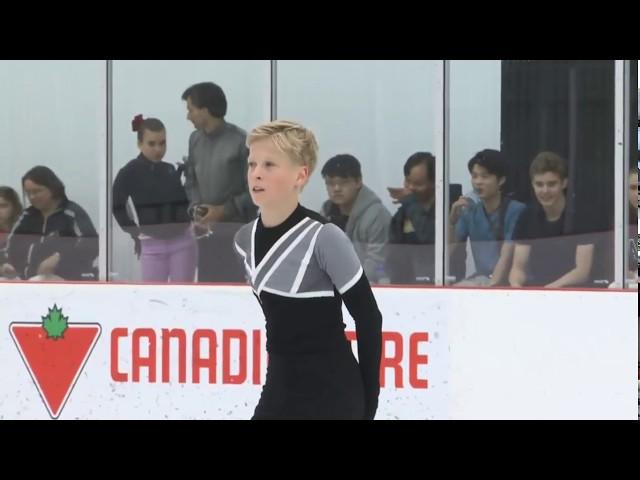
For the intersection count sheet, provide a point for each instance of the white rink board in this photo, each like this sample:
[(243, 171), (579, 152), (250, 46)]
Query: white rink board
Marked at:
[(489, 353)]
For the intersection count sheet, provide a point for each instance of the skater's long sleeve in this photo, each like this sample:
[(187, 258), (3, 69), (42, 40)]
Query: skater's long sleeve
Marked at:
[(363, 308), (339, 259)]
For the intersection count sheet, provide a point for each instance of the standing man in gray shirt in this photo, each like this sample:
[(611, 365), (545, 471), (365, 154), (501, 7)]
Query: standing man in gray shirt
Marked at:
[(216, 182)]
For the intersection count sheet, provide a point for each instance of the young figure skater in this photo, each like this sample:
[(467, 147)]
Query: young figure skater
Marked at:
[(301, 268)]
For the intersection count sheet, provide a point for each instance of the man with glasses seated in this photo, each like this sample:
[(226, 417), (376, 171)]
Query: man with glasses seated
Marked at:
[(358, 211)]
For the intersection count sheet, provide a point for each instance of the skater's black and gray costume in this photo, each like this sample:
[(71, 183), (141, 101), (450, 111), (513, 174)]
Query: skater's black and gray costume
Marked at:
[(301, 271)]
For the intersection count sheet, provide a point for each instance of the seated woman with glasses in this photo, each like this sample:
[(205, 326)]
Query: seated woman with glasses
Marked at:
[(54, 238)]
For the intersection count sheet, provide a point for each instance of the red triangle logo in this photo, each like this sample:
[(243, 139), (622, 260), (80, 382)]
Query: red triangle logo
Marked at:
[(55, 364)]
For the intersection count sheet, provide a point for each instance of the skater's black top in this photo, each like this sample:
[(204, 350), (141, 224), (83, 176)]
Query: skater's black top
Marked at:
[(300, 272)]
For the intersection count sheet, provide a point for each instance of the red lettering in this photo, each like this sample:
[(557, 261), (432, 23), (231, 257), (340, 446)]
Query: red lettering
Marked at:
[(416, 359), (256, 357), (393, 361), (208, 362), (147, 353), (351, 335), (167, 335), (116, 374), (227, 337), (137, 360)]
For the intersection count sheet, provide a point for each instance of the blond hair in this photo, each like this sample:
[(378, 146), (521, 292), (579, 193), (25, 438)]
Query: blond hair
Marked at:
[(291, 138), (548, 162)]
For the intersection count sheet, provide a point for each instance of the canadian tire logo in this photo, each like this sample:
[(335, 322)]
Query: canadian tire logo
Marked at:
[(54, 352)]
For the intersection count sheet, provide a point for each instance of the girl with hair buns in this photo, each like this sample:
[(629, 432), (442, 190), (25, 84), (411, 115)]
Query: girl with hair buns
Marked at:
[(159, 223)]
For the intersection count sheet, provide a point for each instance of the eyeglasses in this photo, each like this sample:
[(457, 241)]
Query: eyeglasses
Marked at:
[(339, 183)]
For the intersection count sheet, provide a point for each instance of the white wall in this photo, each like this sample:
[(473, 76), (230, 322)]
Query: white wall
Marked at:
[(485, 354), (475, 119), (537, 354), (475, 113), (54, 114), (383, 111), (379, 111)]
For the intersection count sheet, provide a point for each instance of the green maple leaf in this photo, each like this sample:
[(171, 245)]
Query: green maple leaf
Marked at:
[(55, 323)]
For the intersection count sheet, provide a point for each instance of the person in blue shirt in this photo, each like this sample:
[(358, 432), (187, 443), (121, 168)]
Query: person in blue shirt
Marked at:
[(488, 223)]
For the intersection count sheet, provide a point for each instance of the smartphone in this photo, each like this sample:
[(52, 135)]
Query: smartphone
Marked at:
[(455, 190)]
